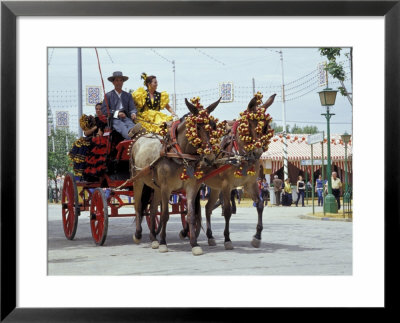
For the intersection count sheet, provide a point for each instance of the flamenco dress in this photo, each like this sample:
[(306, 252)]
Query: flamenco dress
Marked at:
[(82, 147), (149, 111), (96, 159)]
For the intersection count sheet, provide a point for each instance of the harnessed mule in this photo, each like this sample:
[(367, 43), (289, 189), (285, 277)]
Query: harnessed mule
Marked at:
[(167, 160), (224, 179)]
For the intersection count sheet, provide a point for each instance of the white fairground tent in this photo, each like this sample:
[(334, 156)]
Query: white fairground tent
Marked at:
[(298, 150)]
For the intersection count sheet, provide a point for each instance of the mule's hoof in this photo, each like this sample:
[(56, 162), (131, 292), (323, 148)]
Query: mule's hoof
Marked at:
[(155, 245), (181, 236), (163, 248), (211, 242), (136, 240), (228, 245), (256, 242), (197, 251)]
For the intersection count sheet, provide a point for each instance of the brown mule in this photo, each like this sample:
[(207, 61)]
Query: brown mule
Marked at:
[(235, 147), (167, 161)]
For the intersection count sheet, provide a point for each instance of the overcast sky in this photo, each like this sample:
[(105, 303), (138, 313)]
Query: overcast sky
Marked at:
[(199, 72)]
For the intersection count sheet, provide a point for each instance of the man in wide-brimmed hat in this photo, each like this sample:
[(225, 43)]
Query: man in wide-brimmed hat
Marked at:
[(122, 109)]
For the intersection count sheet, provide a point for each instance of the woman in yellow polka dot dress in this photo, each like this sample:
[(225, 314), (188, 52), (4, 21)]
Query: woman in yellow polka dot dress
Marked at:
[(149, 104)]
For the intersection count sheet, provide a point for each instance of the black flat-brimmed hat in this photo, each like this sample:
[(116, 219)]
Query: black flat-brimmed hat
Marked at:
[(117, 74)]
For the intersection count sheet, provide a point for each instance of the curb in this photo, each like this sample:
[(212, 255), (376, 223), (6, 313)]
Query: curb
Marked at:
[(311, 217)]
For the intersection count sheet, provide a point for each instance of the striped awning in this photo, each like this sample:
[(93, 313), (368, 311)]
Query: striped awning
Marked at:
[(298, 150)]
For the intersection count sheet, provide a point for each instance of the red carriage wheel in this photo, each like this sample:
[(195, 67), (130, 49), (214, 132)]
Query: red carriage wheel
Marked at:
[(70, 206), (99, 216)]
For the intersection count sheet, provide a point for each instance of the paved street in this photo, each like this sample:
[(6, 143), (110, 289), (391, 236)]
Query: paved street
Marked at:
[(291, 245)]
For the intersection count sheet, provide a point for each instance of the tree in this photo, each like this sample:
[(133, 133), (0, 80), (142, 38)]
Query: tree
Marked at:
[(296, 129), (58, 146), (309, 129), (278, 129), (336, 69)]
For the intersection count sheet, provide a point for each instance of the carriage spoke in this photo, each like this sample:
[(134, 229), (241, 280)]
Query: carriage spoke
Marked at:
[(69, 204)]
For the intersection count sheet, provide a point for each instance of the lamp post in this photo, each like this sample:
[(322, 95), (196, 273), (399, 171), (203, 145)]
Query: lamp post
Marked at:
[(328, 98), (346, 195)]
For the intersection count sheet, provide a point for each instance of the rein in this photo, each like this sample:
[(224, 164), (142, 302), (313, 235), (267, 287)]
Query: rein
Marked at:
[(234, 131), (172, 134), (174, 145), (105, 99)]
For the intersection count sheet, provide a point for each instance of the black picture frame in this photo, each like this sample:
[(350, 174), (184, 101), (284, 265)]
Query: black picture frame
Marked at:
[(10, 10)]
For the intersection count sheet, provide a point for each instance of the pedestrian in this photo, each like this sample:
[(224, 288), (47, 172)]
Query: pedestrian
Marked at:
[(51, 199), (336, 188), (207, 192), (287, 193), (120, 103), (277, 189), (300, 190), (319, 189), (259, 184), (221, 202), (264, 191), (203, 191)]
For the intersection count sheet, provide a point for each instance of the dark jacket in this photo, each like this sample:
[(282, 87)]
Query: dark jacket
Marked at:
[(277, 184), (113, 103)]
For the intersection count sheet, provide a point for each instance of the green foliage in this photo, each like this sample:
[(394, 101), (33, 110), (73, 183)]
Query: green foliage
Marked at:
[(336, 70), (310, 130), (333, 68), (306, 129), (278, 129), (342, 90), (295, 129), (58, 146), (330, 52)]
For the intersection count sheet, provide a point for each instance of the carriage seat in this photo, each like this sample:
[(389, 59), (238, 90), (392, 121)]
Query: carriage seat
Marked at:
[(123, 149)]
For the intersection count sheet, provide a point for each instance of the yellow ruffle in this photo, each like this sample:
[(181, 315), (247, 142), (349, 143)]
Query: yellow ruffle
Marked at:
[(151, 120), (139, 97), (84, 122), (164, 99)]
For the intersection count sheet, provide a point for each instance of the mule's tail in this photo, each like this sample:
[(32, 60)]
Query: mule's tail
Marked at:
[(147, 196)]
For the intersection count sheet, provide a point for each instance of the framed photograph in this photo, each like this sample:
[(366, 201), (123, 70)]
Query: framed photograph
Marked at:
[(29, 29)]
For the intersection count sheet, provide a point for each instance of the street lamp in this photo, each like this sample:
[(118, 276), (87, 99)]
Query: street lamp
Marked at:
[(328, 98), (346, 195)]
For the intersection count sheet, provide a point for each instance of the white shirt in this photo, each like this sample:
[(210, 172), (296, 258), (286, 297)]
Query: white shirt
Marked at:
[(336, 183), (120, 107)]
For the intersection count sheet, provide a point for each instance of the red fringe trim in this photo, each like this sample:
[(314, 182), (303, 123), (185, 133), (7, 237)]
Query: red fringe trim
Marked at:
[(95, 170), (99, 140), (99, 150), (93, 160)]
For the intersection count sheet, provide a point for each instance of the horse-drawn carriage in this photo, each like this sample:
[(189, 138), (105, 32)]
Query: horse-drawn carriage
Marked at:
[(190, 153), (105, 196)]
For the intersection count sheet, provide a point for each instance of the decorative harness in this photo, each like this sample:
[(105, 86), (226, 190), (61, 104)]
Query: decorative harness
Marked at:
[(173, 144)]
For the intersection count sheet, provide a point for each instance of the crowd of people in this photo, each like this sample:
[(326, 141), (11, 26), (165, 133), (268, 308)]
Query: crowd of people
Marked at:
[(283, 191)]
